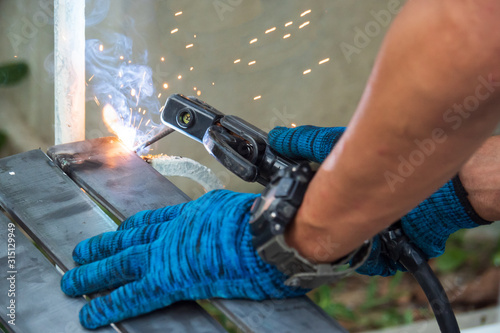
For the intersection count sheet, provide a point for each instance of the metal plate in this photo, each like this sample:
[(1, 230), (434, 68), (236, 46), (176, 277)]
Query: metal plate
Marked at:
[(39, 301), (57, 214), (293, 315), (117, 178), (50, 207)]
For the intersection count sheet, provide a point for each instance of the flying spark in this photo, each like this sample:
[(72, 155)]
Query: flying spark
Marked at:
[(305, 13), (304, 24)]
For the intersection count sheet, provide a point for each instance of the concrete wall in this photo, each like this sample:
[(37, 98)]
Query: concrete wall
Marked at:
[(220, 32)]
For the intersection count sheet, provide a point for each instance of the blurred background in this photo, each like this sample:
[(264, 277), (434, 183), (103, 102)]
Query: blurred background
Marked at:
[(272, 63), (286, 63)]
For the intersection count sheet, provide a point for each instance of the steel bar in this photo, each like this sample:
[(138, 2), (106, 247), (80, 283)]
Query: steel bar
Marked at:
[(292, 315), (57, 215), (38, 300)]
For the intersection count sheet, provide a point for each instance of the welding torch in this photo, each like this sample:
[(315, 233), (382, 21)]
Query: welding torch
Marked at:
[(245, 150)]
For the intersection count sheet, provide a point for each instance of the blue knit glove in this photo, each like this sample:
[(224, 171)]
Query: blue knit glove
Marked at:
[(428, 225), (196, 250)]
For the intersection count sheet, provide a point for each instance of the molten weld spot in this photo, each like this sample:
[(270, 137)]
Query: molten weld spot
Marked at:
[(114, 124)]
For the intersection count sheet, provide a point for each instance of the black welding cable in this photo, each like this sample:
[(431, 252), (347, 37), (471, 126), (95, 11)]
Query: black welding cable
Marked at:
[(397, 246), (415, 263)]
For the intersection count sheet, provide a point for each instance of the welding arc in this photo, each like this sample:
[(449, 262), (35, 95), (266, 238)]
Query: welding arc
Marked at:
[(163, 133)]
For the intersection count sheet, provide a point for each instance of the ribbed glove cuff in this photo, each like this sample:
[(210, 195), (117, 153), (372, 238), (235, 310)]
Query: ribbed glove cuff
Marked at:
[(462, 196), (447, 210)]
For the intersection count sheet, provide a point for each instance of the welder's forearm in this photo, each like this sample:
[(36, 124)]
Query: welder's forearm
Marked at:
[(431, 100)]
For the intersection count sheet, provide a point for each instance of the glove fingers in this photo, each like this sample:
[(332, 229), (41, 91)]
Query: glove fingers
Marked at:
[(127, 301), (126, 266), (111, 243), (148, 217), (309, 142)]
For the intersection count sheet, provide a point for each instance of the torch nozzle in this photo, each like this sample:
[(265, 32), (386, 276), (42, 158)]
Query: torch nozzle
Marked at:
[(160, 135)]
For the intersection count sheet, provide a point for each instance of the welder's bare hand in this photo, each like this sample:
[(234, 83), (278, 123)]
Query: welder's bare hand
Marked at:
[(197, 250), (431, 223)]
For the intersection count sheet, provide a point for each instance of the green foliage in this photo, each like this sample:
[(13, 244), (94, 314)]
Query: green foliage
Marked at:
[(373, 300), (392, 317), (323, 297), (455, 255), (496, 256), (3, 139), (12, 73), (377, 311), (451, 260)]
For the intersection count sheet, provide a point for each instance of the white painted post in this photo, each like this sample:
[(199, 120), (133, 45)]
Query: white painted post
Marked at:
[(69, 70)]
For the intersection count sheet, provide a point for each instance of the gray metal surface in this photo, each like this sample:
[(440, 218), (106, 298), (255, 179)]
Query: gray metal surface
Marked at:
[(104, 164), (39, 301), (293, 315), (57, 214)]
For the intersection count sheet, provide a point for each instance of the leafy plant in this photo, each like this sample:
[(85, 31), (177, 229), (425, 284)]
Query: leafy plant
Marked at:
[(451, 260), (323, 297), (373, 300), (3, 139), (496, 256), (12, 73), (455, 255)]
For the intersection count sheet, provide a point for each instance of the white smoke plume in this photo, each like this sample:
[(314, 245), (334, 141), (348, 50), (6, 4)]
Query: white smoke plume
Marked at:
[(120, 78)]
